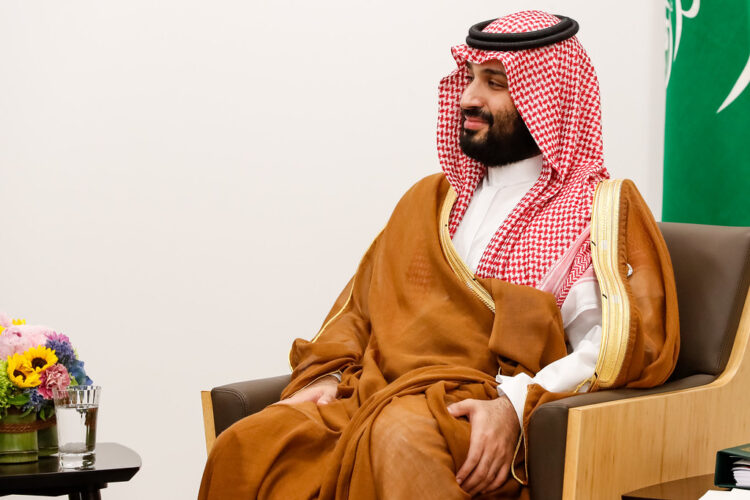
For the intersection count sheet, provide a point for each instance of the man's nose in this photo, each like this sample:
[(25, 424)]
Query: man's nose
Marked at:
[(471, 98)]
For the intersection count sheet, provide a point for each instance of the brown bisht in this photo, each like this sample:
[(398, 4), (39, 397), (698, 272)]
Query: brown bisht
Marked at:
[(412, 332)]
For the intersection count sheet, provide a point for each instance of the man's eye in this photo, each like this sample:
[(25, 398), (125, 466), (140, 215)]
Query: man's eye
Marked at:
[(470, 77), (496, 85)]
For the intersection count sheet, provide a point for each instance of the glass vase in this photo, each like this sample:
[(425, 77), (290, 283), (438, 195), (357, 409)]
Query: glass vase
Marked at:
[(18, 445)]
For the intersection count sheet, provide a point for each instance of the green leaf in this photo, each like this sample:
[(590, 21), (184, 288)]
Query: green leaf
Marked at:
[(19, 399)]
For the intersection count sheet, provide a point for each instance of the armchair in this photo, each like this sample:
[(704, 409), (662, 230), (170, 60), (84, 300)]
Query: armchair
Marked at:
[(603, 444)]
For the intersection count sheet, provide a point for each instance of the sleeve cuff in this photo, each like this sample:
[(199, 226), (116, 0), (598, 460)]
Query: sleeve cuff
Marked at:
[(515, 388)]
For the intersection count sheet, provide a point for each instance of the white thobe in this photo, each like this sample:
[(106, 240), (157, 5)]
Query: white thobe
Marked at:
[(497, 194)]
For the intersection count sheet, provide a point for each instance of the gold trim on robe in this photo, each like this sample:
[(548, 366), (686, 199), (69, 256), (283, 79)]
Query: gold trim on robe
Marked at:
[(454, 260), (634, 270), (605, 217)]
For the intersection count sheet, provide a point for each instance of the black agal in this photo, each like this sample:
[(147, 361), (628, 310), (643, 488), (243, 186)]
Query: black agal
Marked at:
[(478, 39)]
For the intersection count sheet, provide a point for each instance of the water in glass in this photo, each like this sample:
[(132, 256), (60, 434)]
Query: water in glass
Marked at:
[(76, 434), (76, 409)]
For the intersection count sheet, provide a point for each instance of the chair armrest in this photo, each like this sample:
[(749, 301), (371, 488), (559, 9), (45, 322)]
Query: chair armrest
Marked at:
[(233, 402), (618, 446), (548, 427)]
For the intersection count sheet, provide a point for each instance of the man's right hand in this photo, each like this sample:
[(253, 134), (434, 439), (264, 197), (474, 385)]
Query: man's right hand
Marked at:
[(321, 392)]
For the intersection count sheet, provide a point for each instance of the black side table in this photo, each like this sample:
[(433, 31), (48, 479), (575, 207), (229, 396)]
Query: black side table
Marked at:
[(690, 488), (46, 477)]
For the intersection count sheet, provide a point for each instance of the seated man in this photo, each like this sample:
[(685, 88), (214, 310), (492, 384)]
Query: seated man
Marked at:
[(488, 273)]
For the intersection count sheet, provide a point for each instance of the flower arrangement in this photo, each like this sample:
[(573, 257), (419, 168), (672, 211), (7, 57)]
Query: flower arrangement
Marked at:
[(34, 360)]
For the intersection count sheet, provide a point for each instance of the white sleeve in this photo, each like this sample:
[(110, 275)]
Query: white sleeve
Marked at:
[(582, 319)]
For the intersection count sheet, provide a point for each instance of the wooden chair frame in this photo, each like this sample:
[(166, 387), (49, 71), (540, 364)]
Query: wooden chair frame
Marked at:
[(209, 427), (624, 445)]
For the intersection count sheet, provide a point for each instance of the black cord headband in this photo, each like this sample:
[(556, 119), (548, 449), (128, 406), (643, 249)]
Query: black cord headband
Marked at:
[(478, 39)]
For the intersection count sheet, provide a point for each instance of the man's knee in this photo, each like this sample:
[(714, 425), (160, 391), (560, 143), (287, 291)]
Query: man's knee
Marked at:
[(410, 457), (399, 430)]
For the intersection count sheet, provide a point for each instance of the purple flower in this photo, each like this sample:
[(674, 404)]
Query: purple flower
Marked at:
[(63, 350), (36, 401)]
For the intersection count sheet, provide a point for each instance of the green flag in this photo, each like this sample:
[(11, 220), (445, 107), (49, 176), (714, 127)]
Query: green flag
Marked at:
[(707, 133)]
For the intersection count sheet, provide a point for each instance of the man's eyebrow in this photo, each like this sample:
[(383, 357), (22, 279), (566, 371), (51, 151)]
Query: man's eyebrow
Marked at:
[(497, 72)]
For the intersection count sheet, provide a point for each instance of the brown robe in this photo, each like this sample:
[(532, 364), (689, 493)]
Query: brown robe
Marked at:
[(410, 337)]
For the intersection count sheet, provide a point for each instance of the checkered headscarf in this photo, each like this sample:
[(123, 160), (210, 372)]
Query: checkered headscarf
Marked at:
[(556, 93)]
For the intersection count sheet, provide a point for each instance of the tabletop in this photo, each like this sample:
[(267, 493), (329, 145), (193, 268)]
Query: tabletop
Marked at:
[(690, 488), (113, 463)]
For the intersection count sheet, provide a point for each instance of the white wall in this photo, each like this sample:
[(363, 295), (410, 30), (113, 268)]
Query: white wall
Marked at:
[(185, 186)]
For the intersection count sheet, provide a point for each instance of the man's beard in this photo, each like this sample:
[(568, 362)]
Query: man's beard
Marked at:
[(507, 140)]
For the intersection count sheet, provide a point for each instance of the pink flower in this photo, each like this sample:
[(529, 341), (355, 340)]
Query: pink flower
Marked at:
[(18, 338), (5, 320), (54, 377), (58, 336)]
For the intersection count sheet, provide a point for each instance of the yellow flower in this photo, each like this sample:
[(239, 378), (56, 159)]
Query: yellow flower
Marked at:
[(40, 358), (21, 373)]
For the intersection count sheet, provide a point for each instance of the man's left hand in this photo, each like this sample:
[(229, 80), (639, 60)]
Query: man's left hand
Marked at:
[(494, 435)]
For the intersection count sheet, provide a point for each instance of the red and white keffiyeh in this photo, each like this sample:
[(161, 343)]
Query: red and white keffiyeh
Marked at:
[(556, 93)]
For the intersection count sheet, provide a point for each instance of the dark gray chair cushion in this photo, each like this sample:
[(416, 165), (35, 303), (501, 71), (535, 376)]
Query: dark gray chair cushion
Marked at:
[(233, 402), (712, 271)]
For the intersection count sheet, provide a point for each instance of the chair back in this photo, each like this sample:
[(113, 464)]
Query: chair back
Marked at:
[(712, 273)]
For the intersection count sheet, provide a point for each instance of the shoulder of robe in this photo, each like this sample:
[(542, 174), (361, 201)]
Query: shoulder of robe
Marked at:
[(640, 330), (424, 193), (428, 186)]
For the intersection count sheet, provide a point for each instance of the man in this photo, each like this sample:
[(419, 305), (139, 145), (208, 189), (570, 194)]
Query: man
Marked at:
[(483, 274)]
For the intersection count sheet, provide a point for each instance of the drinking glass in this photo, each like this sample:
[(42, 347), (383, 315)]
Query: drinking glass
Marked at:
[(76, 409)]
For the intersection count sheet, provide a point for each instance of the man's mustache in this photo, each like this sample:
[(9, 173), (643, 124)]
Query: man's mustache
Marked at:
[(478, 113)]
